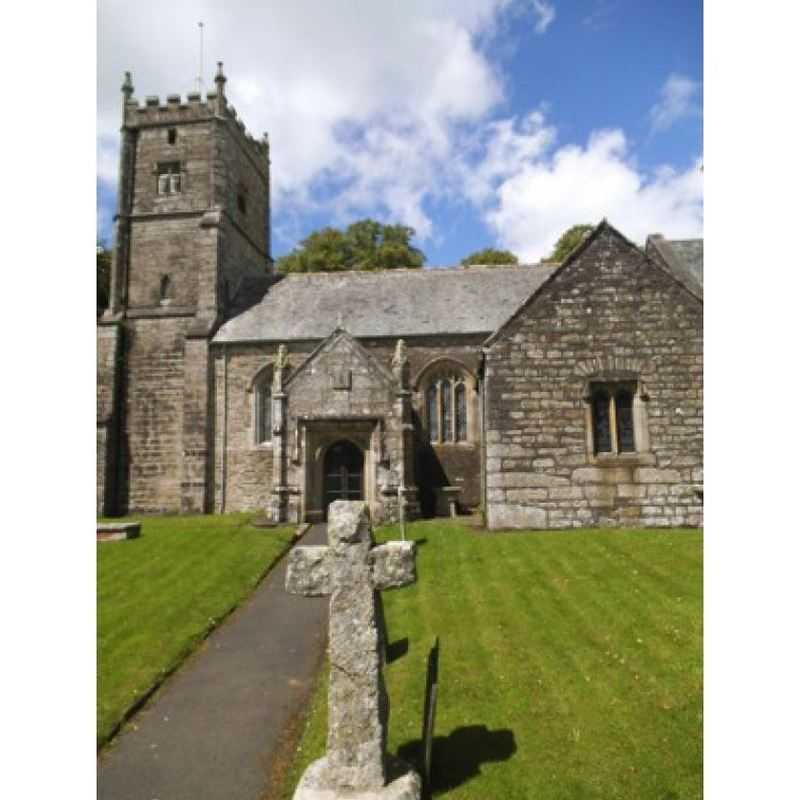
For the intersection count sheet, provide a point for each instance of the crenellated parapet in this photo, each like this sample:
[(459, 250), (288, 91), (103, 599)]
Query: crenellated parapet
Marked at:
[(194, 107)]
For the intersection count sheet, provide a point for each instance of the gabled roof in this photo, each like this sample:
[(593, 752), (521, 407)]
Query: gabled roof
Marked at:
[(576, 253), (396, 303), (338, 337), (682, 257)]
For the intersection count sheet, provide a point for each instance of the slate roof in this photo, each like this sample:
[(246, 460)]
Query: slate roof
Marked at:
[(682, 257), (399, 302)]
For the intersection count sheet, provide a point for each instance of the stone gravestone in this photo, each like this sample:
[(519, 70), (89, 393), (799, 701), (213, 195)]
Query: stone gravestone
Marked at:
[(352, 570)]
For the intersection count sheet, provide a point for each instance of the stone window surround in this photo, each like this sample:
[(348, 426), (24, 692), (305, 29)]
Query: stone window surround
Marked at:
[(260, 384), (611, 381), (169, 168), (317, 435), (435, 372)]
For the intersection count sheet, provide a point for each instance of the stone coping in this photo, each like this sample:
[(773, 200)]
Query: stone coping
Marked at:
[(118, 531)]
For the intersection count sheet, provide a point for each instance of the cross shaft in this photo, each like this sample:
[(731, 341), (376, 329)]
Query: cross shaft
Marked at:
[(351, 569)]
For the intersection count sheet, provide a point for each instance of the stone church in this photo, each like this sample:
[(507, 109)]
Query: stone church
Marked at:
[(546, 395)]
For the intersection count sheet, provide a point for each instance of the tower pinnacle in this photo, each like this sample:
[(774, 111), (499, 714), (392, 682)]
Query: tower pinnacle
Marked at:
[(127, 87), (220, 80)]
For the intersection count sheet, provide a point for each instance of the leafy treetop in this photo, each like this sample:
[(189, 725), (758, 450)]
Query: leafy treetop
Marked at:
[(364, 245), (490, 256), (569, 240)]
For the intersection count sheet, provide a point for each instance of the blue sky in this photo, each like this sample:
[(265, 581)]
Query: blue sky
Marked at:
[(477, 122)]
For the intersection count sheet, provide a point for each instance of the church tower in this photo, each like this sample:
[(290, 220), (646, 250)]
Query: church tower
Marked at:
[(191, 230)]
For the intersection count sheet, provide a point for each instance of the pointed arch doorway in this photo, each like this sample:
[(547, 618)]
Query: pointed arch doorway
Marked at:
[(343, 473)]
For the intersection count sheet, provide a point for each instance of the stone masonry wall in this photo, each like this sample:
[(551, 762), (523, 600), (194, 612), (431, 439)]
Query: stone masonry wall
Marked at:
[(154, 355), (451, 464), (108, 354), (174, 246), (192, 149), (609, 310), (248, 466), (244, 480)]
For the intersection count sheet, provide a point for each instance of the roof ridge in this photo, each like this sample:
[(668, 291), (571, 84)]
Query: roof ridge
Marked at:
[(456, 268)]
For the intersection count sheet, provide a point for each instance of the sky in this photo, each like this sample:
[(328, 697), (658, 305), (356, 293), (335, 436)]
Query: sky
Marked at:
[(479, 123)]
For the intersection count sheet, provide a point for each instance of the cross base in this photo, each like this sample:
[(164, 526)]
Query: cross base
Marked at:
[(404, 784)]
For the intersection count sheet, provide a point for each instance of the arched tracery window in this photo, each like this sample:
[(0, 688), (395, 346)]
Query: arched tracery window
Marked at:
[(447, 391)]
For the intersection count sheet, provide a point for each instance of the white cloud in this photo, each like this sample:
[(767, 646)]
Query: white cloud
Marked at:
[(545, 13), (679, 99), (308, 71), (505, 147), (384, 109), (107, 158), (550, 191)]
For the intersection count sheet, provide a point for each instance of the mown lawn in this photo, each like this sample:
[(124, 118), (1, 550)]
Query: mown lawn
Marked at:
[(160, 594), (570, 666)]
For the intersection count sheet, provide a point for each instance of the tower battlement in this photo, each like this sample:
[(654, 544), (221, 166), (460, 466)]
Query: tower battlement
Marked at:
[(194, 107), (193, 202)]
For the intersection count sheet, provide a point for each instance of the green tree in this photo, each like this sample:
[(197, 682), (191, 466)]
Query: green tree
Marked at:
[(489, 255), (103, 278), (364, 245), (569, 240)]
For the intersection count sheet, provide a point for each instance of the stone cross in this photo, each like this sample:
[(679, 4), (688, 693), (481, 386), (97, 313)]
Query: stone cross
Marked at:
[(351, 569)]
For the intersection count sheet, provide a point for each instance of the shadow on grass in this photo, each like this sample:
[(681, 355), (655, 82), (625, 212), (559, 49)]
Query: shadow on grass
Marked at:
[(421, 542), (396, 650), (457, 758)]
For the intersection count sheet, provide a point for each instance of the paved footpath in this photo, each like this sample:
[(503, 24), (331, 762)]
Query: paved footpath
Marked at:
[(214, 728)]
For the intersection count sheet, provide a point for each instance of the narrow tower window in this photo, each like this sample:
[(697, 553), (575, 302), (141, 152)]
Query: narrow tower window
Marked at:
[(172, 136), (165, 290)]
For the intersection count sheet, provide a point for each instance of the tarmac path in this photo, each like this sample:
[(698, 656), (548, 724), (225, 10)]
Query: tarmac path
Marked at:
[(216, 727)]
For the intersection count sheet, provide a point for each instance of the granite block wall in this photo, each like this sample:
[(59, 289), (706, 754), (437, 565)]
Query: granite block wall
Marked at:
[(608, 314), (243, 468), (109, 342), (153, 413)]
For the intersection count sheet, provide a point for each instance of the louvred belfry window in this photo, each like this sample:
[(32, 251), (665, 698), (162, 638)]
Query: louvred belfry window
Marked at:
[(169, 177)]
